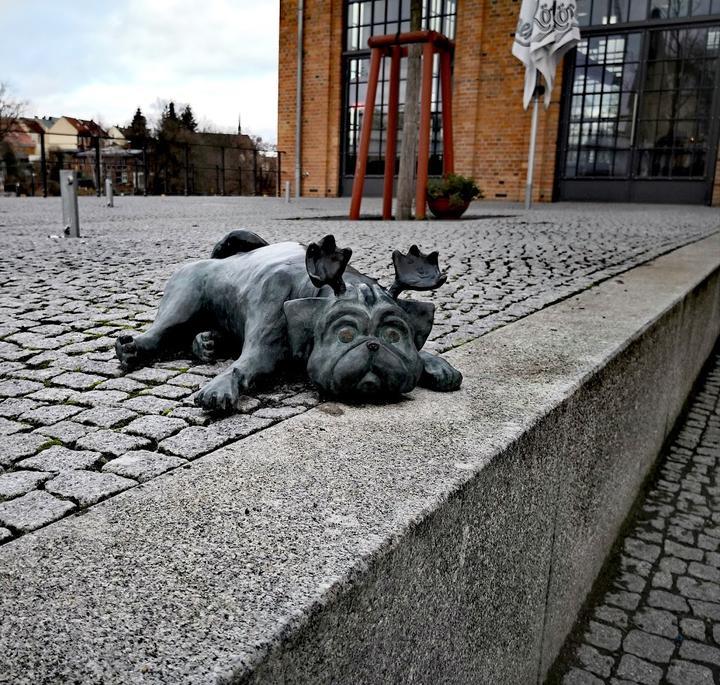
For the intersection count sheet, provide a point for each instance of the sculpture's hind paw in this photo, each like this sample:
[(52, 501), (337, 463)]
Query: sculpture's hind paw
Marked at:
[(127, 352), (207, 347)]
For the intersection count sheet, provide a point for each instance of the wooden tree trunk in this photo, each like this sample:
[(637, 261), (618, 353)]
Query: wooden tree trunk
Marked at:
[(408, 146)]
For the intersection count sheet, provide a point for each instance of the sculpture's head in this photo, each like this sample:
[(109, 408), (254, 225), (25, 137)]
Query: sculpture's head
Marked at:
[(362, 342)]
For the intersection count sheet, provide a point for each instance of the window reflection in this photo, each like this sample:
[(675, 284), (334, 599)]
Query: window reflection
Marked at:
[(608, 12), (654, 129), (366, 18)]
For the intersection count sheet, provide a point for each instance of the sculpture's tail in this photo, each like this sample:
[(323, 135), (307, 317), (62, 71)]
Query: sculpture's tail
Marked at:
[(237, 241)]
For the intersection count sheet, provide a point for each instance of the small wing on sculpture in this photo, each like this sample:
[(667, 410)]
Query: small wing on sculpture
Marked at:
[(326, 264), (416, 271)]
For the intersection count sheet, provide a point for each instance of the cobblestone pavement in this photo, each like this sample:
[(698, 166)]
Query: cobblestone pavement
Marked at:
[(74, 430), (659, 619)]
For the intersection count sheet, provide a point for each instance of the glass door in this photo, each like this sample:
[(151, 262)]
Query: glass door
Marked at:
[(641, 116)]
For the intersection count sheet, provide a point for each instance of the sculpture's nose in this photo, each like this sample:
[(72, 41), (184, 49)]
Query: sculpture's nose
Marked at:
[(373, 346)]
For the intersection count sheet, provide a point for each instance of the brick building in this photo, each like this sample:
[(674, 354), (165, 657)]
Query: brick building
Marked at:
[(635, 114)]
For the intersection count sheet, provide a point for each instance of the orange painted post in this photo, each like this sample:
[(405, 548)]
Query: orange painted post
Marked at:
[(380, 46), (423, 157), (361, 164), (446, 90), (391, 132)]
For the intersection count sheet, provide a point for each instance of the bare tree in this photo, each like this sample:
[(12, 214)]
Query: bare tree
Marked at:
[(10, 110), (408, 145)]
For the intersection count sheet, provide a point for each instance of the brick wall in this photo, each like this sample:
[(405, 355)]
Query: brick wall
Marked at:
[(493, 130), (321, 106)]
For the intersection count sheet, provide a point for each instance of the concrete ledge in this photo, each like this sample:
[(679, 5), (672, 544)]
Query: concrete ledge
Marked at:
[(447, 538)]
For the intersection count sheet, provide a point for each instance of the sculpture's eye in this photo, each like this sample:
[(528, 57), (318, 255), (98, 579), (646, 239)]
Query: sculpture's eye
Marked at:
[(346, 334), (390, 334)]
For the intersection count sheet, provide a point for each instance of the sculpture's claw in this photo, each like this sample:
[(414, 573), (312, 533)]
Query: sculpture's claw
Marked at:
[(219, 395), (416, 271), (326, 264), (127, 352)]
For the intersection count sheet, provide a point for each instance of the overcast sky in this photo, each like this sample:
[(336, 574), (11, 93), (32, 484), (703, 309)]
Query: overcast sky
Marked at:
[(104, 59)]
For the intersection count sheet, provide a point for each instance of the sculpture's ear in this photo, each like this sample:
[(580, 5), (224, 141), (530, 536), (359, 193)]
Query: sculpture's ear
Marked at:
[(301, 316), (421, 315)]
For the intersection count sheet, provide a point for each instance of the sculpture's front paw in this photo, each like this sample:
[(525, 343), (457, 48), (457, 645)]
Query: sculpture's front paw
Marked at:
[(221, 394), (439, 374), (127, 352)]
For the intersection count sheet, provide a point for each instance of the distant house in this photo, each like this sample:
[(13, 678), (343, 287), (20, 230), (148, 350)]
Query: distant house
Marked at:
[(116, 137), (25, 139), (71, 134)]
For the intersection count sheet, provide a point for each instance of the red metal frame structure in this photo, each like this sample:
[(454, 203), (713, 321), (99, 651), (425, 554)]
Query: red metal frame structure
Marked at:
[(390, 46)]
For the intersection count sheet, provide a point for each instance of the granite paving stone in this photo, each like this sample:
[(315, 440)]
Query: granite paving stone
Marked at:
[(193, 441), (152, 374), (123, 384), (14, 407), (603, 636), (278, 412), (640, 671), (59, 458), (149, 404), (55, 395), (51, 413), (689, 673), (105, 417), (167, 391), (14, 447), (648, 646), (102, 398), (673, 634), (240, 425), (579, 676), (155, 427), (112, 442), (66, 431), (64, 302), (192, 415), (87, 487), (17, 483), (78, 380), (143, 465), (33, 510), (8, 427), (657, 621)]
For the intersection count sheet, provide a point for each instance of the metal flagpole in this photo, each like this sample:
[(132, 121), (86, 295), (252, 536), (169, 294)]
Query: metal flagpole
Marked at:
[(539, 91)]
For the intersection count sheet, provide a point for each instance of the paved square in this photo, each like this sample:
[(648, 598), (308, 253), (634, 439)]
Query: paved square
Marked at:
[(69, 416)]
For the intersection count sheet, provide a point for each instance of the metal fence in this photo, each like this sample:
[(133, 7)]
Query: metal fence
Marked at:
[(194, 166)]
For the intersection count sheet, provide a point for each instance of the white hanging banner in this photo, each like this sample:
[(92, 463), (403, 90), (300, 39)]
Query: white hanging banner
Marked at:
[(546, 30)]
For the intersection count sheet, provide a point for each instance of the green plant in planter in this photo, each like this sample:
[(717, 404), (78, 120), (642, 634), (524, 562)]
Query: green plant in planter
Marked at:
[(458, 189)]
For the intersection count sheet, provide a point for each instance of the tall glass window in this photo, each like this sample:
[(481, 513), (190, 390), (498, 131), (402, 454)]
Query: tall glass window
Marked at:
[(365, 18), (648, 121)]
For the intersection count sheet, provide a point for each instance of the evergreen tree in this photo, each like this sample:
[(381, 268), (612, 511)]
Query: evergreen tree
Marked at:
[(187, 120), (170, 114), (138, 132)]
